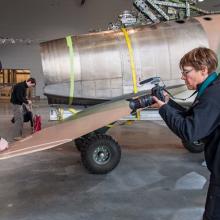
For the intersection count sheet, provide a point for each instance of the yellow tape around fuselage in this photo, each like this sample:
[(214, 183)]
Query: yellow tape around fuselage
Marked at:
[(71, 57)]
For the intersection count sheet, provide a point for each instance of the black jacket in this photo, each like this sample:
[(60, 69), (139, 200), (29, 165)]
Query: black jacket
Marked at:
[(200, 122), (18, 95)]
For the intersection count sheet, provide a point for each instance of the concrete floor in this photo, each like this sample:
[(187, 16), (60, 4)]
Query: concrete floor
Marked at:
[(156, 179)]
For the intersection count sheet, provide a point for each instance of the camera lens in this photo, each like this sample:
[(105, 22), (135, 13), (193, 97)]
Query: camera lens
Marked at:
[(134, 104), (141, 102), (146, 101)]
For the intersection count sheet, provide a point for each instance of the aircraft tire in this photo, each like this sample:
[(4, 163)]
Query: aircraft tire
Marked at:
[(80, 143), (194, 147), (101, 154)]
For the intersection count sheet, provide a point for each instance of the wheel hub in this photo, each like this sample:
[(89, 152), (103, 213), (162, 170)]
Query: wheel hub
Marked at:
[(101, 155)]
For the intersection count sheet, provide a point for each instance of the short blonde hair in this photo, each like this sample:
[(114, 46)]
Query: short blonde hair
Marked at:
[(200, 57)]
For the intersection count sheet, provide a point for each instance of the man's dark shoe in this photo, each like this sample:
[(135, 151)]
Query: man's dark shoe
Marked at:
[(17, 138)]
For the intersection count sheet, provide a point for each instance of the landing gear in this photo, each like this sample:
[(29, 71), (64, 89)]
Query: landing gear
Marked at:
[(100, 153), (80, 143), (194, 147)]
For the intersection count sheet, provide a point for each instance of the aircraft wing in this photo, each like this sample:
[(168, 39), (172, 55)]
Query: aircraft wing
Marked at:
[(80, 124)]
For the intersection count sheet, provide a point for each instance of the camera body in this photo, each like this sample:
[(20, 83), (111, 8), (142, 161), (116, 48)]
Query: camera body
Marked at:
[(147, 100)]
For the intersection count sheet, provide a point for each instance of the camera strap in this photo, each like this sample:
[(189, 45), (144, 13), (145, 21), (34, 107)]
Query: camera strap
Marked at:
[(180, 98)]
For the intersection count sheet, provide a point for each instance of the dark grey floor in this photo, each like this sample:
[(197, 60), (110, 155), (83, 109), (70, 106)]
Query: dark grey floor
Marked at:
[(156, 179)]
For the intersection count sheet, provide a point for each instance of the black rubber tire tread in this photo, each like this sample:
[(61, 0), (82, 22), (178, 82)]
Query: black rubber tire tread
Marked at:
[(194, 147), (80, 143), (87, 154)]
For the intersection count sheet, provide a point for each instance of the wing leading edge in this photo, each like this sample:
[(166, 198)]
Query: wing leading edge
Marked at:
[(82, 123)]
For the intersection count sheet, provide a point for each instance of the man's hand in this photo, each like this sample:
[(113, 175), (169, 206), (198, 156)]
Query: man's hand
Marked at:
[(29, 102)]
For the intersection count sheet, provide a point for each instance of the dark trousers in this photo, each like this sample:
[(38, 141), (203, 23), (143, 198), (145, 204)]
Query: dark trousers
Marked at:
[(212, 206)]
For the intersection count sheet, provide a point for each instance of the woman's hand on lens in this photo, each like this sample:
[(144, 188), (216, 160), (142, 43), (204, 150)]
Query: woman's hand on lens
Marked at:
[(158, 103)]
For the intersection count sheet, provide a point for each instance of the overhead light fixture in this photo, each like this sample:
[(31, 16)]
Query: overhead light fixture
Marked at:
[(7, 40), (82, 2)]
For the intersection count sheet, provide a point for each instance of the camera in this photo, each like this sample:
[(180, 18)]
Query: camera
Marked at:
[(147, 100)]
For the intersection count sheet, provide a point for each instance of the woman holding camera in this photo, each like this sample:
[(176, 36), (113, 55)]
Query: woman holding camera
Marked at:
[(202, 119)]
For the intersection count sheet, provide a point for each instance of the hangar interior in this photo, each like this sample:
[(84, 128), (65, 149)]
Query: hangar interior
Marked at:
[(156, 178)]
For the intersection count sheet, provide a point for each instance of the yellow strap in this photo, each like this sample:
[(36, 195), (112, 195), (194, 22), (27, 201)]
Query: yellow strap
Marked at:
[(71, 57), (133, 69), (129, 122), (110, 126), (60, 114), (72, 110), (131, 55)]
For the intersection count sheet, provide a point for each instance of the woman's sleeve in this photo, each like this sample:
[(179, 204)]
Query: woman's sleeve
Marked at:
[(202, 121)]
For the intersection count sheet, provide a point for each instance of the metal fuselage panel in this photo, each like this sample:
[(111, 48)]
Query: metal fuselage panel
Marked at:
[(212, 28), (102, 62)]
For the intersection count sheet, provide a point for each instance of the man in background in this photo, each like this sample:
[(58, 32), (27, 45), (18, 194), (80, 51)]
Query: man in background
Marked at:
[(18, 98)]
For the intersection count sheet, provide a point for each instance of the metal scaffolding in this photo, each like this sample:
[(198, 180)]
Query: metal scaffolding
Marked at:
[(156, 11)]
